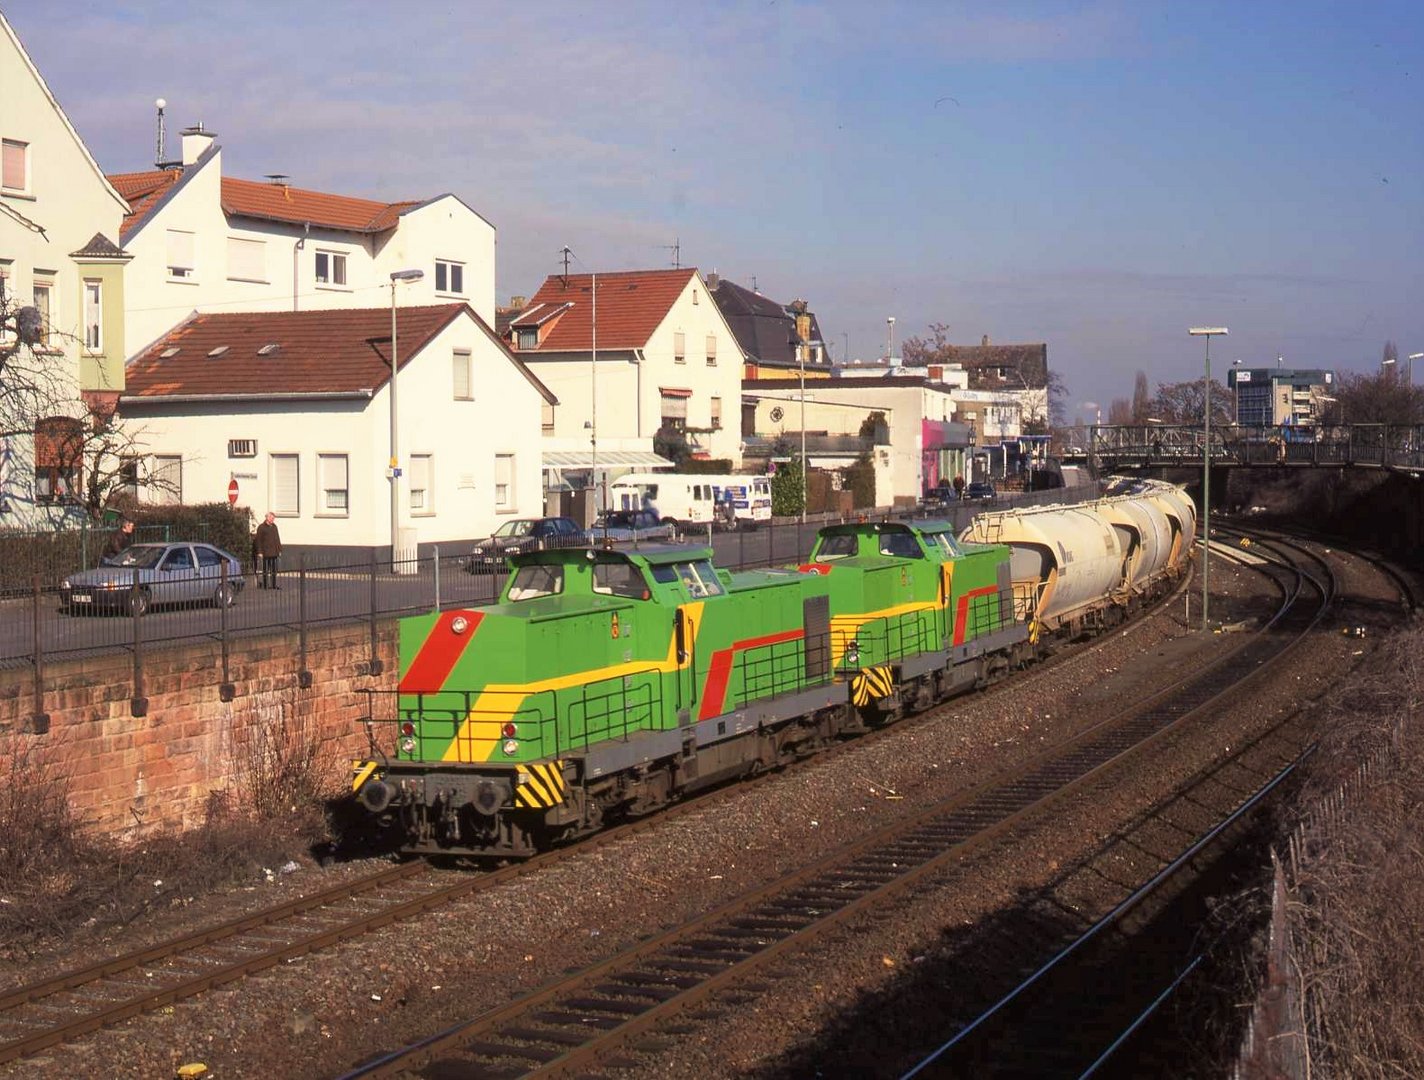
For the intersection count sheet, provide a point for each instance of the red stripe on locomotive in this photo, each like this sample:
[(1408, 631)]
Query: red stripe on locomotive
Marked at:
[(439, 653), (719, 673)]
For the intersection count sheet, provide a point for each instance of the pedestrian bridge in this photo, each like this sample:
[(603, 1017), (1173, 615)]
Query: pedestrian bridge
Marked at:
[(1398, 447)]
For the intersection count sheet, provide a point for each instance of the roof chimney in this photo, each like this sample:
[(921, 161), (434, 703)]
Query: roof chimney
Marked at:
[(195, 142), (713, 280), (984, 340)]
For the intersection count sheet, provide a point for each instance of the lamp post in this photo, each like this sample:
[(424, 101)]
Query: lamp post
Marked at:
[(801, 369), (1236, 393), (1207, 332), (397, 276), (1413, 357), (890, 347)]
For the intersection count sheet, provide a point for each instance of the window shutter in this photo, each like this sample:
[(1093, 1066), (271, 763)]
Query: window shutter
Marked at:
[(285, 485), (463, 391), (675, 408), (12, 168), (334, 481), (180, 253), (503, 479), (246, 259)]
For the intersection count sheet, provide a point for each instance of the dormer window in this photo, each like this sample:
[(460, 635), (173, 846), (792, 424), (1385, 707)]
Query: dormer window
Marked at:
[(528, 339)]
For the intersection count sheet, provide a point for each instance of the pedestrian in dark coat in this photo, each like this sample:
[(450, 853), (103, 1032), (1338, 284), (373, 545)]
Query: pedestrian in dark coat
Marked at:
[(120, 541), (267, 550)]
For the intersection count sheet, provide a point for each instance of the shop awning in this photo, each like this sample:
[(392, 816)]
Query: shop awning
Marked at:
[(607, 459)]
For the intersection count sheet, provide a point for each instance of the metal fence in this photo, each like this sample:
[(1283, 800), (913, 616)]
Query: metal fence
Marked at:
[(36, 627)]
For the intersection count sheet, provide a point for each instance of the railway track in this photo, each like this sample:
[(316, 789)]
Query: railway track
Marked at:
[(589, 1019), (66, 1007)]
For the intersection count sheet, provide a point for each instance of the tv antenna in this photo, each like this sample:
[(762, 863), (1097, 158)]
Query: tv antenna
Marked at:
[(676, 248), (567, 254)]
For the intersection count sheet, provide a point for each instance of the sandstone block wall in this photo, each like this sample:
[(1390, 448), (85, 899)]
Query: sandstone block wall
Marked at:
[(129, 775)]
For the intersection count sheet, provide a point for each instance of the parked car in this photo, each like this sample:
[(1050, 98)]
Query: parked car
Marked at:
[(174, 573), (940, 495), (980, 489), (635, 526), (515, 537)]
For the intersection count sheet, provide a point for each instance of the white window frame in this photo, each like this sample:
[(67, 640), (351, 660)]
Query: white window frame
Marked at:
[(716, 414), (426, 489), (711, 350), (462, 374), (452, 269), (176, 257), (336, 269), (93, 316), (274, 489), (331, 468), (679, 347), (505, 501), (167, 470), (236, 265), (6, 180), (48, 313)]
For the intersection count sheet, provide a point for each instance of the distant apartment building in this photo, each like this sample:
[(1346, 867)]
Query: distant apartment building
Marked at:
[(1276, 396)]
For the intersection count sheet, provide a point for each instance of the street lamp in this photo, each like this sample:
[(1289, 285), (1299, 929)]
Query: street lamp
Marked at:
[(1235, 393), (397, 276), (1413, 357), (890, 348), (1207, 332)]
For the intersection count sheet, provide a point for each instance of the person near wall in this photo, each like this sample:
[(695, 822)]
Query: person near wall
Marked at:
[(267, 551), (120, 541)]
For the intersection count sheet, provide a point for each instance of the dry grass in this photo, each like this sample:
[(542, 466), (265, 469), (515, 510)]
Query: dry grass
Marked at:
[(1357, 916), (61, 877)]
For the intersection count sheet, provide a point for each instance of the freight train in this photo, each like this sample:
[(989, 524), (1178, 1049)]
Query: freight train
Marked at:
[(605, 684)]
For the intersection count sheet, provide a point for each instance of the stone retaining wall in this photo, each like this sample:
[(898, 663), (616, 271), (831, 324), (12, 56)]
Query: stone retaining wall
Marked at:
[(128, 775)]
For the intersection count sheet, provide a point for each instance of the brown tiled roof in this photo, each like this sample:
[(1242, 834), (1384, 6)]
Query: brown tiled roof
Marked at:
[(268, 202), (631, 305), (317, 352), (142, 192)]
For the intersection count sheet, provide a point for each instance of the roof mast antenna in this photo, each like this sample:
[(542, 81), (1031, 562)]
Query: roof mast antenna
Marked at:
[(158, 146), (676, 248), (567, 254)]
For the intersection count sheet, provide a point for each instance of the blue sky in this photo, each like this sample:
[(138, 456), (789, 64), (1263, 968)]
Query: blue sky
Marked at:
[(1096, 175)]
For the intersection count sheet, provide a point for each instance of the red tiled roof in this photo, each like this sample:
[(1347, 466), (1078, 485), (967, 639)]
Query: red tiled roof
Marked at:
[(268, 202), (278, 202), (142, 191), (330, 351), (631, 305)]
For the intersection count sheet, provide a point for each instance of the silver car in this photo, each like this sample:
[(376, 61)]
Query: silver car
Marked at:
[(635, 526), (176, 573)]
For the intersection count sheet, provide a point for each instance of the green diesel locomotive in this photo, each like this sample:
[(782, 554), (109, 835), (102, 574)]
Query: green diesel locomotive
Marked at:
[(606, 683)]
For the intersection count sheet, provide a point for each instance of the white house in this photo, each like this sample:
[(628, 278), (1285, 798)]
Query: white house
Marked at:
[(925, 445), (59, 227), (628, 354), (202, 241), (295, 412)]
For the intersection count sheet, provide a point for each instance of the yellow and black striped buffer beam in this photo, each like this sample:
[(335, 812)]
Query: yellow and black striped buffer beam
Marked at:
[(540, 785), (361, 772), (872, 684)]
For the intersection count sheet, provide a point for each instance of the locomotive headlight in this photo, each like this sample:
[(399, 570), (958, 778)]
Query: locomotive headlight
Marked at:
[(852, 653), (407, 746), (511, 747), (459, 624), (509, 731), (407, 728)]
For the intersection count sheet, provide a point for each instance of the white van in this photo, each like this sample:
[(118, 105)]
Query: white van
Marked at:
[(684, 499), (750, 497)]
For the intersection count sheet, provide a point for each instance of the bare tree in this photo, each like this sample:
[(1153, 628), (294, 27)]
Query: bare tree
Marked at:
[(1141, 399), (1119, 411), (1380, 398), (1181, 403), (61, 450)]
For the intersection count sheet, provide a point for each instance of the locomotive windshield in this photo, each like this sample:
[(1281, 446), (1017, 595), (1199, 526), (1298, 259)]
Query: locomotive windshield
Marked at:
[(902, 545), (838, 546), (698, 578), (532, 582), (619, 579), (944, 542)]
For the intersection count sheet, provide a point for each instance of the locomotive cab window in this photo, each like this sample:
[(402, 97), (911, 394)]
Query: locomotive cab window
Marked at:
[(532, 582), (619, 579), (944, 542), (838, 546), (901, 545), (698, 578)]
